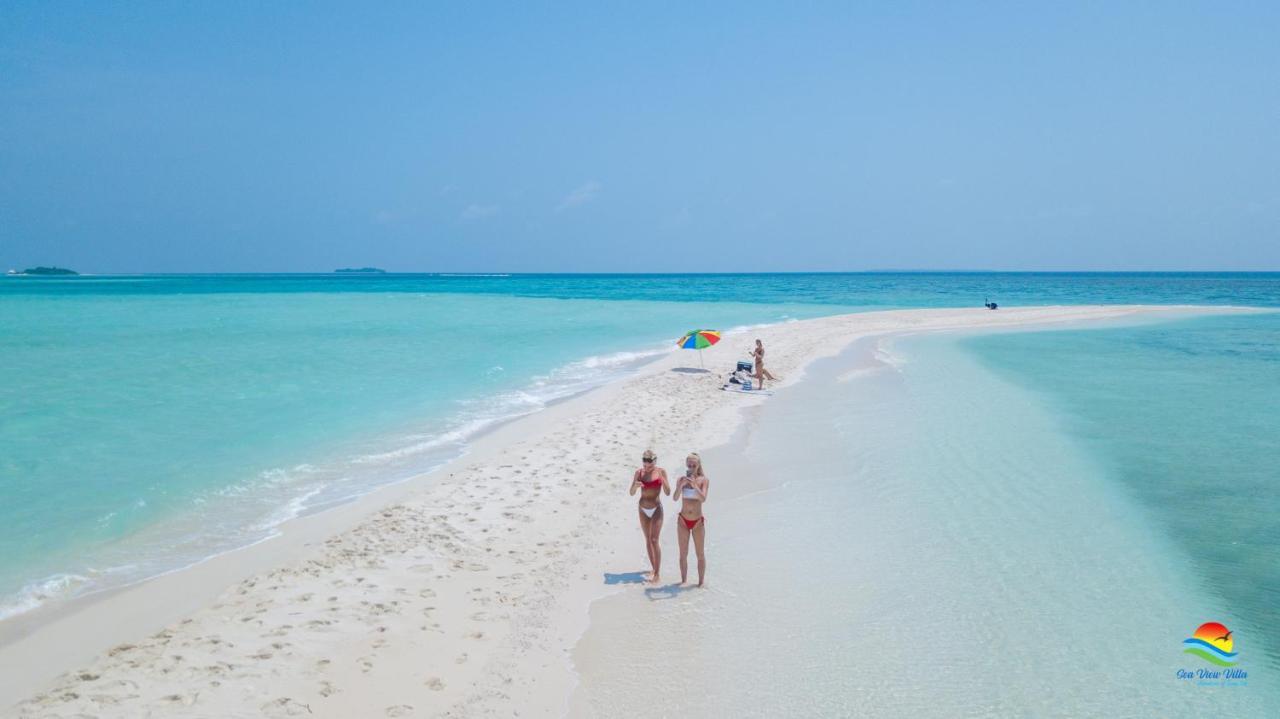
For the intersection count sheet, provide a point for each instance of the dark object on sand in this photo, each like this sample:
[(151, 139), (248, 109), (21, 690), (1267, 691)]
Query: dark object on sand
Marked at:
[(990, 305)]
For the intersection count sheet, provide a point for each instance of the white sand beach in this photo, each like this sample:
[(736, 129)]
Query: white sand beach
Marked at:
[(460, 593)]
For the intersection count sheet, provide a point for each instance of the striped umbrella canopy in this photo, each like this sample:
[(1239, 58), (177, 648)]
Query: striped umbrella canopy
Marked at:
[(699, 340)]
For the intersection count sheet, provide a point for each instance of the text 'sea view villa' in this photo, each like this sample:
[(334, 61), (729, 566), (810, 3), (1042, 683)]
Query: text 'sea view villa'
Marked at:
[(598, 360)]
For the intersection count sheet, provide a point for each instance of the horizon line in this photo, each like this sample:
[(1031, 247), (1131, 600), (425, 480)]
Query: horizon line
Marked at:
[(497, 273)]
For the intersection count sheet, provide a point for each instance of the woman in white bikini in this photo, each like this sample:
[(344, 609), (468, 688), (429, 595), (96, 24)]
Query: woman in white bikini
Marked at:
[(651, 480), (692, 490)]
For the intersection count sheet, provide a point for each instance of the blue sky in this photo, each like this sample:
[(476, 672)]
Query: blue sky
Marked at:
[(213, 137)]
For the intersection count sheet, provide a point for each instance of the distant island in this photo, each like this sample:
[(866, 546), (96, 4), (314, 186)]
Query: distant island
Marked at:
[(362, 270), (44, 271)]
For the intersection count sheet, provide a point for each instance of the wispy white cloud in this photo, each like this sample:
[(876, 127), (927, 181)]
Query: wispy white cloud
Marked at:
[(475, 212), (580, 196)]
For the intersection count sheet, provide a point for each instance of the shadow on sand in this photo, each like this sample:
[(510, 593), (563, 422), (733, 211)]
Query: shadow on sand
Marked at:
[(668, 591), (625, 578), (690, 370)]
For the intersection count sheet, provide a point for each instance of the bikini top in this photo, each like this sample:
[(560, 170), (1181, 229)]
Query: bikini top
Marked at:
[(651, 484), (690, 492)]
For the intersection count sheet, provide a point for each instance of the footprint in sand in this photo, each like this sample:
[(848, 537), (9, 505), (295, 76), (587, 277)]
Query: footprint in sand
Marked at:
[(285, 707), (434, 684), (109, 700), (399, 710)]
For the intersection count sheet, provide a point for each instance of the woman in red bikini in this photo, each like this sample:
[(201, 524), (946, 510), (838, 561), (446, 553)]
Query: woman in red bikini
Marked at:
[(692, 489), (651, 480)]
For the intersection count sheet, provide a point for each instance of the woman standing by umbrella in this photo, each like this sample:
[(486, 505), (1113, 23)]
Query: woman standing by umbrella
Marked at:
[(651, 480), (692, 489)]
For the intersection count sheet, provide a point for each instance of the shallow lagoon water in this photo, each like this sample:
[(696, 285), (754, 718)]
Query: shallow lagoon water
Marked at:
[(1183, 417)]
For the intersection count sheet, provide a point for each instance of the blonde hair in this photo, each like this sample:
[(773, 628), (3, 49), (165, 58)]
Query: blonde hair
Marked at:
[(698, 460), (649, 454)]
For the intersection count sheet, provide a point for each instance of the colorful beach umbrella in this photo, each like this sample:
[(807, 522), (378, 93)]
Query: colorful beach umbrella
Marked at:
[(699, 340)]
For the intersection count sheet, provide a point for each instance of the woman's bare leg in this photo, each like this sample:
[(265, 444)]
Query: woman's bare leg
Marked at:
[(682, 537), (699, 538), (644, 529), (655, 549)]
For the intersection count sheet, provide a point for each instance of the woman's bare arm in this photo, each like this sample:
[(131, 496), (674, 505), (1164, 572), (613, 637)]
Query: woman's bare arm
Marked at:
[(675, 493), (702, 493)]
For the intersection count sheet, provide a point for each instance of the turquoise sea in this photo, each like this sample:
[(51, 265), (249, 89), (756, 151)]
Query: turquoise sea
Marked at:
[(148, 422)]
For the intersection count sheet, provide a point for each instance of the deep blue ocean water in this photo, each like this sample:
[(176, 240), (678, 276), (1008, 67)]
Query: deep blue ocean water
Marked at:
[(147, 422)]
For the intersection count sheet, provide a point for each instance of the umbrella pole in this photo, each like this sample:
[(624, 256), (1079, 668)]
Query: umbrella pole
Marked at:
[(700, 360)]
